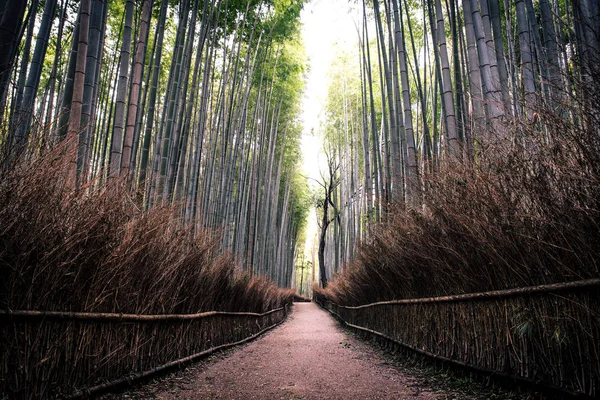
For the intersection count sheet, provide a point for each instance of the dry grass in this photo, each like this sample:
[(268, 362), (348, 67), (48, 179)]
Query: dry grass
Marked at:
[(97, 250), (528, 213)]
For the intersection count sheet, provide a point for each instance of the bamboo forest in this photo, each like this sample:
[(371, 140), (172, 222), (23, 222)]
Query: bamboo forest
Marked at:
[(300, 199)]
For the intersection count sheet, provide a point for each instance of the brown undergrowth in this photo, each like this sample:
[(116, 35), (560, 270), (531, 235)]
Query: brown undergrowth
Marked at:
[(527, 213), (97, 250)]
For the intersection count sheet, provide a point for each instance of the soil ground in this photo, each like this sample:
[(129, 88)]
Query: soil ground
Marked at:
[(308, 357)]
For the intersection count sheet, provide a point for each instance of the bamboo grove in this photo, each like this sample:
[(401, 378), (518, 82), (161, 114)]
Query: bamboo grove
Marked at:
[(434, 88), (191, 103)]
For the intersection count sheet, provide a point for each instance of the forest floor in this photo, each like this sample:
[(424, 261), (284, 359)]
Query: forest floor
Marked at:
[(308, 357)]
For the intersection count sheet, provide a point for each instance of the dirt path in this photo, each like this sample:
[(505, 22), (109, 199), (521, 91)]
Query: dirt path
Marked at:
[(308, 357)]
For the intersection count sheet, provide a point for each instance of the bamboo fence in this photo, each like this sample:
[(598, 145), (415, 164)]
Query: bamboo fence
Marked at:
[(547, 336), (74, 354)]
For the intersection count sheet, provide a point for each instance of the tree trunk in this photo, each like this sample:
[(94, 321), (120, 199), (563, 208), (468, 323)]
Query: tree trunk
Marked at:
[(422, 100), (94, 53), (153, 93), (476, 92), (412, 178), (367, 186), (11, 21), (374, 138), (492, 95), (551, 52), (454, 147), (171, 105), (386, 95), (526, 57), (78, 87), (35, 70), (16, 115), (499, 46), (136, 81), (117, 135)]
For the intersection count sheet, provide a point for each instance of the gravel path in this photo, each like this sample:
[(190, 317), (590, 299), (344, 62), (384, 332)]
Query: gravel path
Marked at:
[(308, 357)]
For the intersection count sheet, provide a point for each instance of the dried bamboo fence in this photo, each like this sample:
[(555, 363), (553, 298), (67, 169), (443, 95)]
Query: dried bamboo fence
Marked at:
[(73, 354), (547, 336)]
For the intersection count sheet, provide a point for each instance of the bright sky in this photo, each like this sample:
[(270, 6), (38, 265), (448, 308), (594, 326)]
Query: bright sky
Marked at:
[(327, 25)]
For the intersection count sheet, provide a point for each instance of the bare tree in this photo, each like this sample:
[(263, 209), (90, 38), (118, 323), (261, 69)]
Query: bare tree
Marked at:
[(329, 184)]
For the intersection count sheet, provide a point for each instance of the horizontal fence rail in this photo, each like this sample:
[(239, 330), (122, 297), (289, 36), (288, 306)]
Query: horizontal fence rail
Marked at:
[(546, 335), (53, 354), (67, 315), (526, 291)]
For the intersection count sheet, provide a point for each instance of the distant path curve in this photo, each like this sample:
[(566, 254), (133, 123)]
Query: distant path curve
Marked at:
[(308, 357)]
